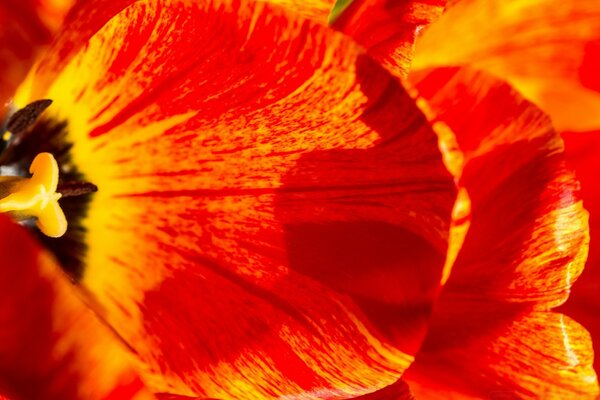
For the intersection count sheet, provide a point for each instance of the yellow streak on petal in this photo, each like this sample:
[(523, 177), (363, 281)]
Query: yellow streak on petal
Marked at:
[(461, 222), (454, 161)]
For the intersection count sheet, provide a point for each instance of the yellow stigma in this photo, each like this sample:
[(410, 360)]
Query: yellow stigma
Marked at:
[(36, 196)]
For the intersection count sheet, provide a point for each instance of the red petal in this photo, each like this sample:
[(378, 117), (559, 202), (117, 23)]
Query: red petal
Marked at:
[(526, 245), (166, 396), (548, 50), (273, 210), (399, 390), (387, 29), (583, 151), (51, 345), (529, 235), (477, 350), (26, 26)]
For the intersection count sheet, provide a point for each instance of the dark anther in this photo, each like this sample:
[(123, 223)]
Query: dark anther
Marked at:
[(27, 116), (76, 188)]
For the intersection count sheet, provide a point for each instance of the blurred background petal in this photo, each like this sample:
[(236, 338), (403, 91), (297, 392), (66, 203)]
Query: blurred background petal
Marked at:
[(26, 28), (548, 50)]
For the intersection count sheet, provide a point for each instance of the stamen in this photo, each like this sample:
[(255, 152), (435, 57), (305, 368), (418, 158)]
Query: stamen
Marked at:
[(27, 116), (37, 196), (76, 188)]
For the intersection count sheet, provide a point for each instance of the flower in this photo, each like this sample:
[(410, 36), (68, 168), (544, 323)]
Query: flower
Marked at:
[(248, 174), (274, 218)]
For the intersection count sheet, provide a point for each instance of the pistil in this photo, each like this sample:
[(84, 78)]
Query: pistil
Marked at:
[(35, 197)]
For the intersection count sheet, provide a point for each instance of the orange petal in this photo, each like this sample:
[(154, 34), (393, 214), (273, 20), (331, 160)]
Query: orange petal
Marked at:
[(273, 210), (387, 29), (528, 237), (477, 350), (51, 345), (583, 151), (548, 50)]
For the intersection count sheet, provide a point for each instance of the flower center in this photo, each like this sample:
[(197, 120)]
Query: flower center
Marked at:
[(35, 197)]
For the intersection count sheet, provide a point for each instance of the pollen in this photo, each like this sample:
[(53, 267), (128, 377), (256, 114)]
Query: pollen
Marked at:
[(36, 196)]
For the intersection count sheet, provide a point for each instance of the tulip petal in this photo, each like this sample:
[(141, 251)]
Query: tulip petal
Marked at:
[(87, 17), (168, 396), (83, 20), (525, 247), (273, 210), (51, 345), (528, 238), (583, 151), (399, 390), (548, 50), (317, 10), (489, 351), (387, 29)]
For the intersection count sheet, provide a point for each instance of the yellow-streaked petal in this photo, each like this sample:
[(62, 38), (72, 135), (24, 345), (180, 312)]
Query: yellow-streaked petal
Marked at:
[(273, 209)]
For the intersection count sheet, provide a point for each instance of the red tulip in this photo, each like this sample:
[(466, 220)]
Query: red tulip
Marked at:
[(274, 217), (272, 209)]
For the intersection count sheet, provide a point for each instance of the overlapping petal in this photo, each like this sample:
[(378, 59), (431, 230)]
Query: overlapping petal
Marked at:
[(525, 247), (583, 151), (489, 351), (273, 211), (387, 29), (399, 390), (516, 175), (51, 345), (548, 50)]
